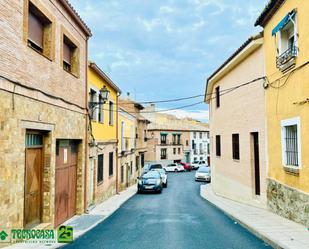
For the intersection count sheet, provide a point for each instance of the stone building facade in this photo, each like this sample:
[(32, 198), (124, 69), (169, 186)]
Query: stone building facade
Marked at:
[(42, 112)]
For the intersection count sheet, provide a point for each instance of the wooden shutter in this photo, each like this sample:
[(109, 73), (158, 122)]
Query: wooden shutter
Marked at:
[(67, 54), (35, 33)]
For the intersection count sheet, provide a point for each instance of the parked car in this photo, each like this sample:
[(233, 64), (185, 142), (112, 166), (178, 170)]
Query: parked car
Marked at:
[(186, 166), (150, 181), (163, 177), (155, 166), (197, 164), (149, 167), (174, 167), (203, 174)]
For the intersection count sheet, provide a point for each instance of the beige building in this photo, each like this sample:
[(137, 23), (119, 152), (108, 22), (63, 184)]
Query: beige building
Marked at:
[(132, 144), (170, 139), (237, 125), (43, 120)]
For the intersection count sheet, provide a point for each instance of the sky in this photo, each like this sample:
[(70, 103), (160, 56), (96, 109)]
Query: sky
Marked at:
[(159, 50)]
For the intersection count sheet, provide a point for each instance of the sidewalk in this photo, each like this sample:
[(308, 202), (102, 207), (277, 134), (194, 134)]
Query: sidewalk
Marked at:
[(85, 222), (273, 229)]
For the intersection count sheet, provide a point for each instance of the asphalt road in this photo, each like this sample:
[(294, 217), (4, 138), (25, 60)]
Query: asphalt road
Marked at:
[(178, 218)]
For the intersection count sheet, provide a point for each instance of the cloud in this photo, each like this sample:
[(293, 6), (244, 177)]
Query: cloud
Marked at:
[(201, 115), (166, 9), (163, 49)]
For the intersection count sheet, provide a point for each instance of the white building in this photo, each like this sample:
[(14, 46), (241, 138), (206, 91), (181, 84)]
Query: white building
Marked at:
[(200, 146)]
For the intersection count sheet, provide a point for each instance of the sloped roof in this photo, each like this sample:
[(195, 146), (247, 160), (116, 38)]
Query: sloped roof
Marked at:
[(269, 10), (74, 14)]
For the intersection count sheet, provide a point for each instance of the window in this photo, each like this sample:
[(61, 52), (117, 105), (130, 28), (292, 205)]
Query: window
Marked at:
[(179, 150), (163, 154), (123, 140), (201, 148), (235, 146), (137, 163), (70, 56), (174, 151), (201, 135), (33, 140), (122, 174), (218, 96), (194, 134), (39, 31), (142, 160), (291, 146), (111, 113), (100, 110), (218, 145), (187, 142), (178, 139), (174, 138), (207, 134), (92, 99), (131, 168), (201, 158), (163, 138), (286, 38), (208, 148), (100, 168), (111, 163), (193, 145)]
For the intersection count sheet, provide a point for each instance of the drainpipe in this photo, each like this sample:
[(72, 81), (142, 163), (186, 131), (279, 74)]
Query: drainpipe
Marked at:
[(117, 143), (86, 133)]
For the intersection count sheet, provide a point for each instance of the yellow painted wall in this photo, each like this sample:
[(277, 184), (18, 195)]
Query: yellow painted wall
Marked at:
[(280, 102), (103, 131)]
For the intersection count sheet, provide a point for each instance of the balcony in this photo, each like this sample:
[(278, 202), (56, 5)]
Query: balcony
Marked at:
[(287, 58)]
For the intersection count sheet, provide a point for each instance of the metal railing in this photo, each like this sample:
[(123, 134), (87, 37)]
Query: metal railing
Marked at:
[(286, 56)]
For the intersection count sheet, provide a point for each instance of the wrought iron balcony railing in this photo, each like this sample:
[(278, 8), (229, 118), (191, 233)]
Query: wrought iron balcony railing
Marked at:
[(286, 56)]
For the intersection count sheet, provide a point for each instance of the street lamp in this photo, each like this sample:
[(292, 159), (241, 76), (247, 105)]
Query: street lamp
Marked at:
[(104, 92), (103, 97)]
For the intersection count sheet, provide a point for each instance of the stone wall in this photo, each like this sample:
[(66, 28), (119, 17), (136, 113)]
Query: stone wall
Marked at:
[(288, 202), (15, 110)]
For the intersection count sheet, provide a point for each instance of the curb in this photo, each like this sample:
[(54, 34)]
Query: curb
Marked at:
[(266, 239), (78, 235), (101, 220)]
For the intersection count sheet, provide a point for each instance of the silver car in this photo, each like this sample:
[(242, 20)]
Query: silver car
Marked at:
[(163, 176), (203, 174)]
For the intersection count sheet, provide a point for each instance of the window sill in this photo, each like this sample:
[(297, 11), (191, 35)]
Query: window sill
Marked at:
[(40, 53), (73, 74), (100, 183), (292, 170), (236, 160)]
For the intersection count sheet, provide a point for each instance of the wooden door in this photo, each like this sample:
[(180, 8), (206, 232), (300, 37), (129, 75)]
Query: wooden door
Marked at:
[(256, 163), (66, 175), (33, 186)]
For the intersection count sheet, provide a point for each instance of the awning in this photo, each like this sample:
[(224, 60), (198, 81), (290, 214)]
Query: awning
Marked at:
[(164, 133), (283, 22)]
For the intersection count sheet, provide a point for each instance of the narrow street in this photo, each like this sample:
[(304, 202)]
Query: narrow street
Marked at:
[(177, 218)]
